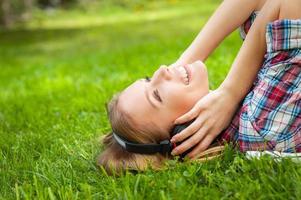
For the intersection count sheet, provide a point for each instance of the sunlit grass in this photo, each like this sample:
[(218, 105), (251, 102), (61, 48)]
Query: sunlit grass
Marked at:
[(57, 74), (80, 18)]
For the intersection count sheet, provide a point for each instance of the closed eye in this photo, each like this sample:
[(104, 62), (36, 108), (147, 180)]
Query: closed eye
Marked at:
[(156, 92), (157, 95)]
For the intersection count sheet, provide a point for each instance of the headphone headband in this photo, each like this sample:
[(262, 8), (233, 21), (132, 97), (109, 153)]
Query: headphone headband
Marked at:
[(164, 147)]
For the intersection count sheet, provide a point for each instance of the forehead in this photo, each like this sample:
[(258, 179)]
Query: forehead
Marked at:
[(134, 102)]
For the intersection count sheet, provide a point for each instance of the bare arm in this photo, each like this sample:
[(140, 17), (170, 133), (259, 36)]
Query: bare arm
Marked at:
[(210, 113), (228, 16), (249, 59)]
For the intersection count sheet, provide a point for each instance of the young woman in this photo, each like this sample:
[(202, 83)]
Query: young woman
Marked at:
[(268, 110)]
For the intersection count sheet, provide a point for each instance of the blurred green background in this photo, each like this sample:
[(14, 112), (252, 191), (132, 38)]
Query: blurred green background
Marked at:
[(61, 61), (14, 12)]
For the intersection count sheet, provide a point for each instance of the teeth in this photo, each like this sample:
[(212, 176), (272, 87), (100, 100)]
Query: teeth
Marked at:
[(186, 80), (184, 74)]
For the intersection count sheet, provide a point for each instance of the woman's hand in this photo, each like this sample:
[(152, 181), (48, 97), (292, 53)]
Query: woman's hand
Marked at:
[(212, 114)]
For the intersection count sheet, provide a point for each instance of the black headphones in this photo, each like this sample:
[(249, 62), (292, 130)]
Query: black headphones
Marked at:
[(164, 147)]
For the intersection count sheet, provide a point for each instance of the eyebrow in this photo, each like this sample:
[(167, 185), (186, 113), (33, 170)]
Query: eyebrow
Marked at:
[(148, 99)]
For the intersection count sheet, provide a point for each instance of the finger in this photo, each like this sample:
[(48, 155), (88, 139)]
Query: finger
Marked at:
[(188, 131), (190, 142), (189, 115), (202, 146)]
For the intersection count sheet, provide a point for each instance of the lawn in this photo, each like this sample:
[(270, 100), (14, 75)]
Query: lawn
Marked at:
[(58, 71)]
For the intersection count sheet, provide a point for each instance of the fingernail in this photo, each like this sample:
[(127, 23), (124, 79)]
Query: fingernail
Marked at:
[(174, 152), (172, 140)]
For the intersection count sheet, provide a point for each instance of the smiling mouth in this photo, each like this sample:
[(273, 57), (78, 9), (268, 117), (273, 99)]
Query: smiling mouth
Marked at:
[(184, 74)]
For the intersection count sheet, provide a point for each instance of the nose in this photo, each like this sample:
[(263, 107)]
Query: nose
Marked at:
[(163, 73)]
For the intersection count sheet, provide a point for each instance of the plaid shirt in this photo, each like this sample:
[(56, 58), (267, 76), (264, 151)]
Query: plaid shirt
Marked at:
[(245, 27), (269, 117)]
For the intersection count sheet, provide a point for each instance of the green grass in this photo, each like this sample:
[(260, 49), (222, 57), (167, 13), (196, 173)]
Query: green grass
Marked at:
[(56, 75)]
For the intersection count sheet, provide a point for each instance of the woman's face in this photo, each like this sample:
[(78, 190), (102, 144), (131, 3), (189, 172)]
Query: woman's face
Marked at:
[(167, 95)]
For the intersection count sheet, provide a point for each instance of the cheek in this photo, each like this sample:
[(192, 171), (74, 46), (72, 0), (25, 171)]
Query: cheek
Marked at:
[(188, 101), (181, 101)]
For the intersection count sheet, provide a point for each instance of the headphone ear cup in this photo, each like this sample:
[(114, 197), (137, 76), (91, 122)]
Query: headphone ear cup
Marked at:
[(177, 129)]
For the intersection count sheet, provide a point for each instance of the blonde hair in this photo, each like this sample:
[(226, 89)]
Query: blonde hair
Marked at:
[(115, 159)]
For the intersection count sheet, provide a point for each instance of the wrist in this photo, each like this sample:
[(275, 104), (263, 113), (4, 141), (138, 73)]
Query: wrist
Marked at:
[(186, 58), (229, 91), (180, 62)]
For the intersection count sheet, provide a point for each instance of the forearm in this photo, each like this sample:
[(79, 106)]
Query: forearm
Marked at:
[(250, 57), (228, 16)]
